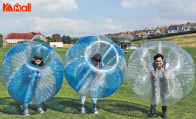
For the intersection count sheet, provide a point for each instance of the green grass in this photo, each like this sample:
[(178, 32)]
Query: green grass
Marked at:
[(122, 104), (186, 40)]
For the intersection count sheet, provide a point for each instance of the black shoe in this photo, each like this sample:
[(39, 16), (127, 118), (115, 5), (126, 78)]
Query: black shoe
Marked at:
[(152, 110), (151, 114), (164, 116), (164, 110)]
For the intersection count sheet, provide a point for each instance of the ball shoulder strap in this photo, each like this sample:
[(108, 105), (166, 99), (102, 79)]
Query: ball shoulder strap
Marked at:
[(154, 66)]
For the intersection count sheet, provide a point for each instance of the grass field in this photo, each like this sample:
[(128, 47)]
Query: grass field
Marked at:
[(186, 41), (122, 104)]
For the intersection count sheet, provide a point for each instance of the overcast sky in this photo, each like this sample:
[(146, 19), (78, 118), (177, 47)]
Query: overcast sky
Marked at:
[(95, 17)]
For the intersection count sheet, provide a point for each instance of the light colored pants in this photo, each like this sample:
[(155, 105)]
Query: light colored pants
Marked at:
[(83, 99), (25, 105)]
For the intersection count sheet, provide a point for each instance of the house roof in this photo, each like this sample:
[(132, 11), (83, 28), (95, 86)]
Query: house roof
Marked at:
[(139, 31), (46, 39), (34, 33), (38, 33), (162, 30), (153, 32), (152, 29), (20, 36), (40, 37), (176, 24), (186, 26), (189, 25), (172, 27), (132, 33)]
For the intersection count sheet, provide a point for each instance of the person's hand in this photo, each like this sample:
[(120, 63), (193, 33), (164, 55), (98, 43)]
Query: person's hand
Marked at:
[(162, 69), (164, 72), (152, 72), (39, 75)]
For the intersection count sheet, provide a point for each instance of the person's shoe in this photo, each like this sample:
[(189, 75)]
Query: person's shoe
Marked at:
[(95, 110), (151, 114), (40, 110), (164, 110), (152, 111), (82, 110), (26, 112), (164, 116)]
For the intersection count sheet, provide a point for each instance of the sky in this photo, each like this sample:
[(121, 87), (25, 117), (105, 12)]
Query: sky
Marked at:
[(78, 18)]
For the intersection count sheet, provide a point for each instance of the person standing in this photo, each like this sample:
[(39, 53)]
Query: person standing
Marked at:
[(159, 72), (39, 63), (96, 60)]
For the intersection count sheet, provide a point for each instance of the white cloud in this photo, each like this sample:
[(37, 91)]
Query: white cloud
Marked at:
[(64, 24), (155, 22), (169, 8), (133, 4), (59, 5), (165, 22), (109, 24), (49, 26), (76, 27), (72, 27)]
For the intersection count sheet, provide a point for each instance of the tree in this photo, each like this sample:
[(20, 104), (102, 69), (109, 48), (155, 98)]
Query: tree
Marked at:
[(49, 38), (66, 39), (56, 38), (1, 40), (116, 39), (75, 39), (21, 42)]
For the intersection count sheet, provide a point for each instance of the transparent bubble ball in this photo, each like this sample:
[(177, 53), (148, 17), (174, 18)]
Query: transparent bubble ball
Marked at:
[(89, 80), (26, 82), (179, 79)]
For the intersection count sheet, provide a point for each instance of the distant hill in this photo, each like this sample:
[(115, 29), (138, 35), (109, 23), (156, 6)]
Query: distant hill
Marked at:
[(188, 40)]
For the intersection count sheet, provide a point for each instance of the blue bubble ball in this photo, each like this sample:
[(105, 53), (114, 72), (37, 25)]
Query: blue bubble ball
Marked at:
[(26, 82), (89, 80)]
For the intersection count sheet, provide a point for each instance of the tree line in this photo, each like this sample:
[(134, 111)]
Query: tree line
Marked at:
[(65, 39)]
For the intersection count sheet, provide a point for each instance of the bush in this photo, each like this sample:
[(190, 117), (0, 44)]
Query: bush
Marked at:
[(170, 34), (117, 39), (1, 40), (21, 42), (41, 41)]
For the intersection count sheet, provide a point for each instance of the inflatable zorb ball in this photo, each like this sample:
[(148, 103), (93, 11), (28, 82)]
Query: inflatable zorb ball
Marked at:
[(26, 82), (179, 68), (91, 81)]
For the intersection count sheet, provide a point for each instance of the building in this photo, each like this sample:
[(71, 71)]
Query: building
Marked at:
[(124, 43), (142, 34), (157, 30), (175, 28), (18, 37), (189, 26), (12, 39), (39, 36), (56, 44)]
